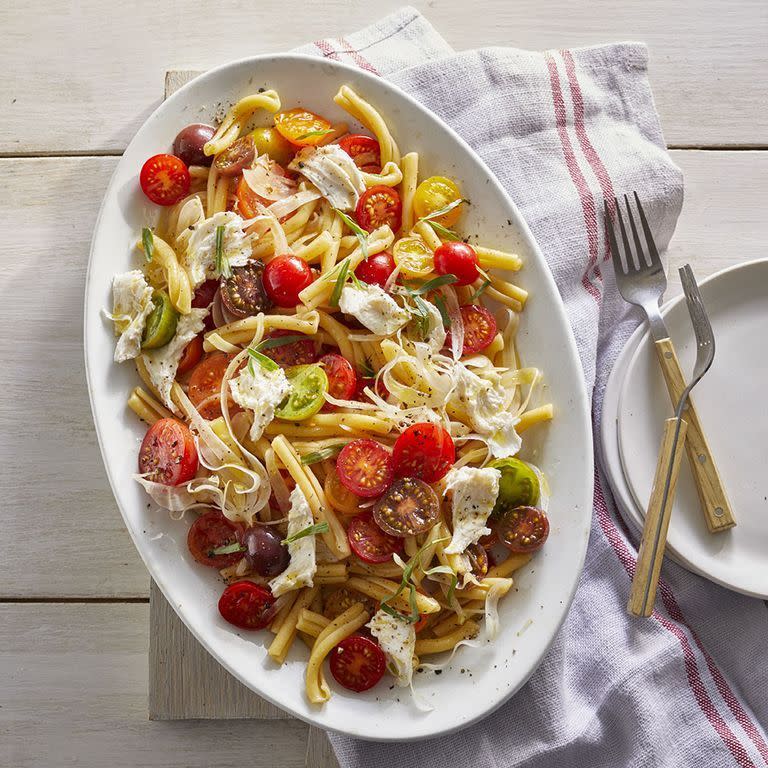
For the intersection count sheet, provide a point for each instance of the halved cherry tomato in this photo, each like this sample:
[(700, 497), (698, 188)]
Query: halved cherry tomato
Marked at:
[(523, 529), (379, 387), (165, 179), (436, 193), (209, 532), (364, 150), (302, 127), (407, 508), (479, 329), (340, 497), (296, 353), (168, 454), (243, 293), (425, 451), (357, 663), (369, 542), (269, 142), (376, 269), (478, 559), (191, 355), (205, 384), (342, 379), (204, 294), (378, 206), (460, 259), (247, 605), (365, 467), (343, 598), (285, 277), (309, 384), (413, 256), (237, 156)]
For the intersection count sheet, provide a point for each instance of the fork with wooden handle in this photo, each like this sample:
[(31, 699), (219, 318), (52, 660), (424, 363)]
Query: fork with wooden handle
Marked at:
[(642, 282), (653, 542)]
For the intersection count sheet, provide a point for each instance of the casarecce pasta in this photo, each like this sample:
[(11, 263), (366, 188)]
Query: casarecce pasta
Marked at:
[(332, 386)]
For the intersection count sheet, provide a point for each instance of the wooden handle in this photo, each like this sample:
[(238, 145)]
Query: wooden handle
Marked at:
[(643, 594), (714, 501)]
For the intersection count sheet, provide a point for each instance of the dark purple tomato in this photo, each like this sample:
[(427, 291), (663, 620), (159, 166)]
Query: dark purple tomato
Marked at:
[(264, 551), (188, 145)]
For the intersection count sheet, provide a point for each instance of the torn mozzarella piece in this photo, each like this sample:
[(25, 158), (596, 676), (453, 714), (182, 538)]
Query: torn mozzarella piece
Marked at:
[(198, 246), (266, 182), (484, 401), (374, 308), (162, 363), (474, 495), (333, 172), (131, 305), (397, 638), (301, 569), (260, 391), (436, 334)]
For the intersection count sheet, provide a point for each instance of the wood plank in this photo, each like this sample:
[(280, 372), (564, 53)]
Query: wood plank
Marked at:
[(74, 693), (101, 74), (52, 467)]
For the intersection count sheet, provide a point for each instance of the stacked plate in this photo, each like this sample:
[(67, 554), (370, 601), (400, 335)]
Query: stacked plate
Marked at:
[(732, 401)]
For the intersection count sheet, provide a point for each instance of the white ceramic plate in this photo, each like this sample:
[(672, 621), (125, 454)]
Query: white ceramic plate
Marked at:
[(532, 615), (730, 401)]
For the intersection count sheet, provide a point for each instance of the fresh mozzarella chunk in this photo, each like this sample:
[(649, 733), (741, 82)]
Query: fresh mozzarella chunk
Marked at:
[(333, 172), (198, 245), (131, 305), (484, 402), (436, 334), (374, 308), (163, 363), (397, 638), (301, 569), (260, 391), (474, 494)]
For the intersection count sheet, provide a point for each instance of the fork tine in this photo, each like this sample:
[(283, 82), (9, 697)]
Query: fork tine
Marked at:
[(632, 265), (618, 267), (640, 251), (655, 260), (702, 328)]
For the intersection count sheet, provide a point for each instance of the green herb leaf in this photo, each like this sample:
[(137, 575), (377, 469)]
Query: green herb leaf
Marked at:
[(267, 363), (361, 234), (278, 341), (452, 588), (339, 287), (322, 454), (444, 232), (393, 612), (366, 369), (312, 134), (414, 617), (422, 315), (442, 211), (228, 549), (440, 304), (222, 263), (357, 282), (148, 241), (439, 569), (433, 284), (476, 295), (310, 530)]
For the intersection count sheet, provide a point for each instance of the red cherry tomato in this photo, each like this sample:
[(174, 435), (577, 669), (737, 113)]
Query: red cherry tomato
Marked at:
[(424, 451), (379, 388), (365, 468), (191, 355), (479, 329), (285, 277), (168, 454), (523, 529), (247, 605), (376, 269), (342, 379), (296, 353), (357, 663), (211, 531), (204, 294), (364, 150), (369, 542), (165, 179), (205, 384), (378, 206), (458, 259)]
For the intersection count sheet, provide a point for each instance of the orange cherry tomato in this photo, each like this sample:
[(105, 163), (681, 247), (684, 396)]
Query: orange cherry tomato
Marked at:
[(191, 355)]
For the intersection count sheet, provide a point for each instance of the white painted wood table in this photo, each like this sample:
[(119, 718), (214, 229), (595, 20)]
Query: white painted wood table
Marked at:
[(79, 79)]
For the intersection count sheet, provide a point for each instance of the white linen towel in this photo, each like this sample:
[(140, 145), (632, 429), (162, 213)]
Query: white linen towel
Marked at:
[(564, 130)]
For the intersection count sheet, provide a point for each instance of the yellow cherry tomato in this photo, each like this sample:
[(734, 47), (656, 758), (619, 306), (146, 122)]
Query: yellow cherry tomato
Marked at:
[(268, 141), (302, 127), (338, 496), (413, 256), (435, 193)]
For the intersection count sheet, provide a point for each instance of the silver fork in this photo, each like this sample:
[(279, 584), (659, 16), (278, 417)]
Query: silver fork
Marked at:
[(641, 281), (653, 542)]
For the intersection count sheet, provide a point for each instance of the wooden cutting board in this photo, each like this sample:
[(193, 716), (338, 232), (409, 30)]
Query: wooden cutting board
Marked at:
[(185, 681)]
